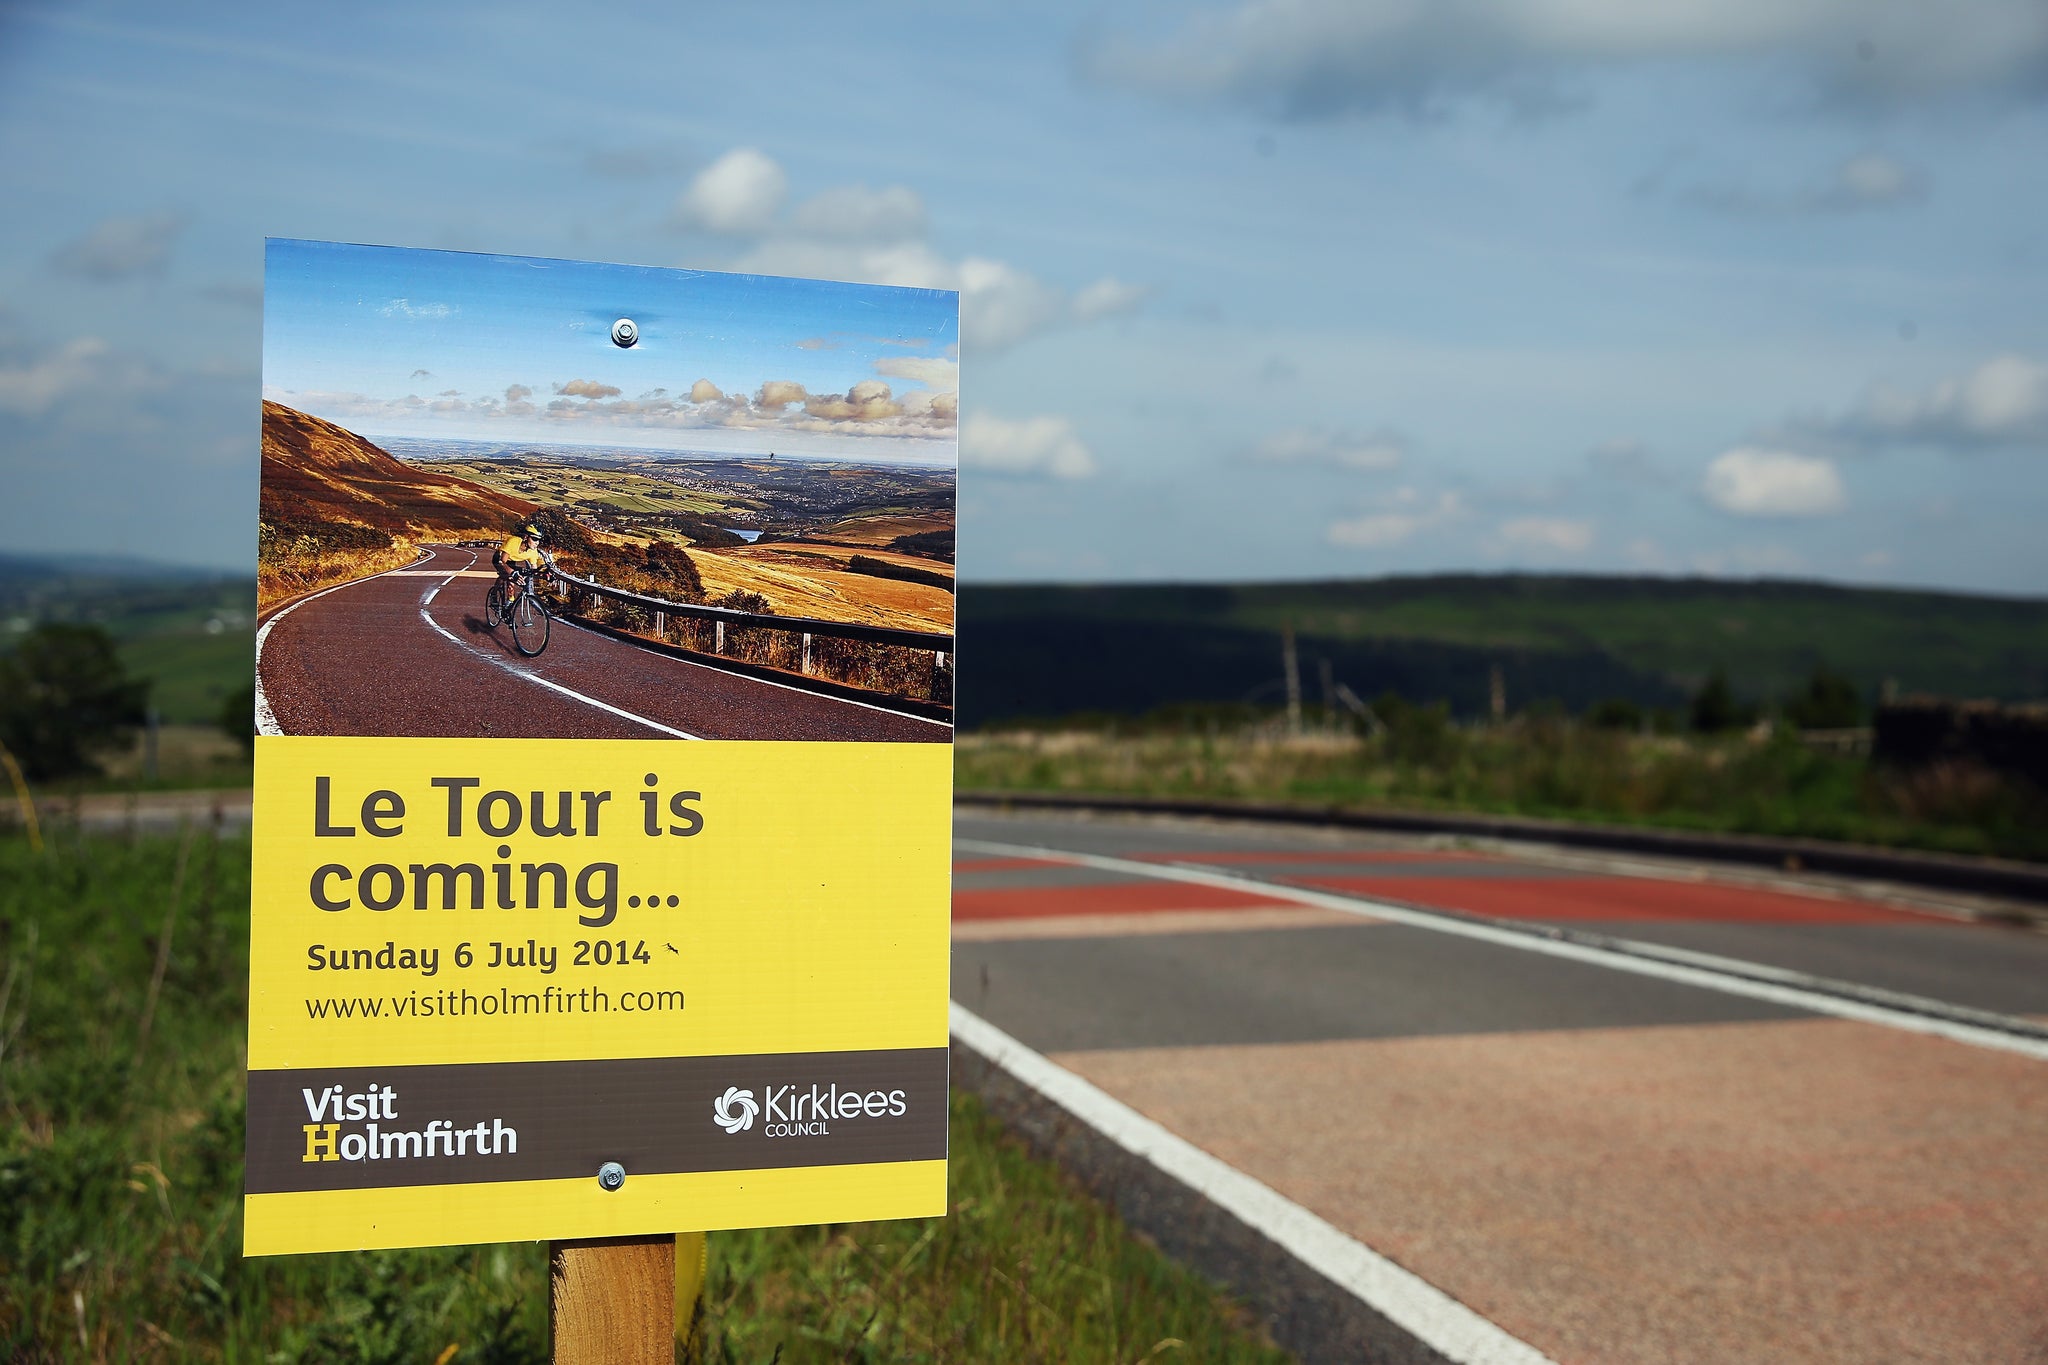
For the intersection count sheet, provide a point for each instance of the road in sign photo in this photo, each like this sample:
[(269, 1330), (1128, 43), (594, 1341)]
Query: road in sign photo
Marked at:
[(408, 653)]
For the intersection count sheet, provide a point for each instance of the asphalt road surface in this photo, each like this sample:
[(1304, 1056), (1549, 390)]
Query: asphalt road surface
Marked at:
[(407, 653), (1625, 1117)]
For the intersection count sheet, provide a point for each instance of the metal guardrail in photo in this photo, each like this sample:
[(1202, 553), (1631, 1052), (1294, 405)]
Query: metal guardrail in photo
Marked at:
[(938, 642)]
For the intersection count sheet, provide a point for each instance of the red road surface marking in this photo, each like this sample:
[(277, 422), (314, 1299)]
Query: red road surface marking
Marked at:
[(1305, 855), (1613, 898), (1120, 898)]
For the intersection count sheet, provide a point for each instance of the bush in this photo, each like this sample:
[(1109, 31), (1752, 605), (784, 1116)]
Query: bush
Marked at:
[(1616, 713), (1829, 701), (238, 717), (63, 694), (1714, 707)]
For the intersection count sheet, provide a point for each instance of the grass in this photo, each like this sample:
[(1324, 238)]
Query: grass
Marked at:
[(287, 574), (1553, 768), (123, 970)]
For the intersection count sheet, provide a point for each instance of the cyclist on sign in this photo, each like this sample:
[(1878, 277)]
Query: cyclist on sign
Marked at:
[(520, 556)]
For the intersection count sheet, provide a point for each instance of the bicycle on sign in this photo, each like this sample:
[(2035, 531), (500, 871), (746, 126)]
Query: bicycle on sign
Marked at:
[(527, 613)]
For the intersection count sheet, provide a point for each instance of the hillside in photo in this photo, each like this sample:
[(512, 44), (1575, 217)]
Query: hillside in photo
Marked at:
[(335, 506), (315, 471)]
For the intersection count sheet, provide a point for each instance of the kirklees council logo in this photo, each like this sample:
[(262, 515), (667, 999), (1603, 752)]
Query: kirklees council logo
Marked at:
[(734, 1110), (792, 1111)]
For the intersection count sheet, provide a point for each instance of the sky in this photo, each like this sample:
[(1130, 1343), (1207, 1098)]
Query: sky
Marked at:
[(1249, 290), (523, 349)]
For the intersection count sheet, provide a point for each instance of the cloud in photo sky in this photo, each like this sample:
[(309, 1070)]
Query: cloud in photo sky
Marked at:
[(1324, 58)]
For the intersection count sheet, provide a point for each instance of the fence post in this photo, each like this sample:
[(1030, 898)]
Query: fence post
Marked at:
[(718, 643), (612, 1301), (807, 653), (660, 624)]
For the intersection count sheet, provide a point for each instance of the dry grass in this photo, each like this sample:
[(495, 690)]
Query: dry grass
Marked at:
[(305, 568), (795, 584)]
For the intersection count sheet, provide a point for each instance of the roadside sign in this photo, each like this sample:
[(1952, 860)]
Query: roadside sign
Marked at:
[(603, 788)]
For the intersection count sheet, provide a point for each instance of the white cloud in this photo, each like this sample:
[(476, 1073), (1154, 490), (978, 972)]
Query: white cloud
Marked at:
[(120, 247), (1374, 531), (1338, 450), (1554, 535), (1626, 460), (1040, 446), (33, 388), (857, 213), (851, 232), (406, 308), (1000, 305), (1401, 514), (2004, 401), (738, 195), (1750, 559), (1752, 482), (1869, 180), (934, 372), (1107, 298), (704, 391), (1323, 58)]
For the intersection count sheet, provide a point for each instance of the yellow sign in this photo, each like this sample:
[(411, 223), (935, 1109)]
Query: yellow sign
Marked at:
[(604, 763), (481, 969)]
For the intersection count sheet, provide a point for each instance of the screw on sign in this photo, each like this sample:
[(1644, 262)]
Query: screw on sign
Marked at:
[(625, 333)]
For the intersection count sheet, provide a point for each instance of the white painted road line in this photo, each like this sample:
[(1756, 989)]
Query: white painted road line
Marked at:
[(266, 719), (1779, 990), (1403, 1298), (519, 672)]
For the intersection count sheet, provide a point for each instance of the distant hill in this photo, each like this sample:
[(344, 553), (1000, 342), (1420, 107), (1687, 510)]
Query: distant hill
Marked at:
[(317, 472), (1055, 650)]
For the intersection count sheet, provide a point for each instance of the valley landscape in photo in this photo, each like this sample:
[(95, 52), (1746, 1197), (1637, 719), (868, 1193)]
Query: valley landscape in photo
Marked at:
[(835, 539)]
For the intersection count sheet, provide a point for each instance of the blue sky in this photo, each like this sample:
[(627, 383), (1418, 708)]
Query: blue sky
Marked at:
[(399, 341), (1274, 288)]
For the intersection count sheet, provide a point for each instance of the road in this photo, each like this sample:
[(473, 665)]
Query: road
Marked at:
[(1625, 1112), (407, 653)]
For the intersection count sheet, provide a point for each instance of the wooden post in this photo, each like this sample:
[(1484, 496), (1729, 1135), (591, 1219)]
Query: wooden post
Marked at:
[(611, 1301), (807, 654), (718, 645)]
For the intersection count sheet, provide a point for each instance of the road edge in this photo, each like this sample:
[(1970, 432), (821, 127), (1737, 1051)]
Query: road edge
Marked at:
[(1992, 877), (1320, 1293)]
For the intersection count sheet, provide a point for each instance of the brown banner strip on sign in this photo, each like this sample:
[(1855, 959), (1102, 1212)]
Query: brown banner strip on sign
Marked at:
[(352, 1127)]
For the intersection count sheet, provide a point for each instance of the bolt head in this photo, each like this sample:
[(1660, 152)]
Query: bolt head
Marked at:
[(625, 333), (611, 1175)]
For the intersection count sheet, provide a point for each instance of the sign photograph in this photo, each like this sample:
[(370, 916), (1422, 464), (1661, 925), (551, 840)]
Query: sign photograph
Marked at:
[(603, 783)]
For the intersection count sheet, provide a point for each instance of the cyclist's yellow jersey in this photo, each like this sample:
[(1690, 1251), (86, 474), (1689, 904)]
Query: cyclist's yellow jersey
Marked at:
[(515, 552)]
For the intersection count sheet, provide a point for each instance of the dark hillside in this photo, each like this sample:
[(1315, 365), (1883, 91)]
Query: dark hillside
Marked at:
[(1575, 639)]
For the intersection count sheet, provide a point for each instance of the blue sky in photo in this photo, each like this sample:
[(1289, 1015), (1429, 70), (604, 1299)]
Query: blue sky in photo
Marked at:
[(1248, 289), (465, 346)]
